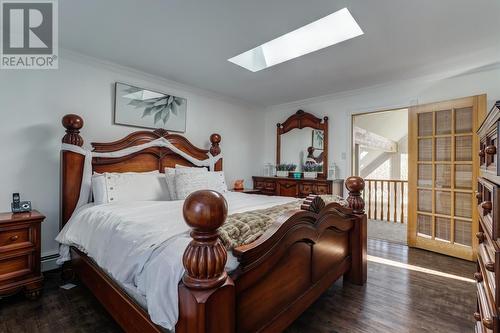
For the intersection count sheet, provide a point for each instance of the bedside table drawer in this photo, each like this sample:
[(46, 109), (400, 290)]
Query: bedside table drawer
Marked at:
[(14, 238), (14, 267)]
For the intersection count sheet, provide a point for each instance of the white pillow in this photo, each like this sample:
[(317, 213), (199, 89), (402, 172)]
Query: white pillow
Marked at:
[(170, 177), (129, 186), (217, 181), (189, 182)]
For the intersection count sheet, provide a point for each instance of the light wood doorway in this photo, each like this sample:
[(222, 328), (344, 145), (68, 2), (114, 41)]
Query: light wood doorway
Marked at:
[(443, 166)]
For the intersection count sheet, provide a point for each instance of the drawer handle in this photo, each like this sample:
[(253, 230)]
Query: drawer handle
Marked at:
[(480, 236), (479, 196), (14, 238), (478, 276), (490, 150), (481, 153), (487, 206), (490, 266)]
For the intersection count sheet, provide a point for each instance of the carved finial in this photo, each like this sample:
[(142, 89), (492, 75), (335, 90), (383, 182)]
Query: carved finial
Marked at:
[(325, 118), (300, 112), (160, 132), (205, 257), (278, 125), (355, 185), (73, 123), (215, 140), (313, 203)]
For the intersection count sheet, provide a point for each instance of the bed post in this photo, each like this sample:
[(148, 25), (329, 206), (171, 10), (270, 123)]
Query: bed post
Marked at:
[(215, 150), (71, 167), (358, 237), (206, 294)]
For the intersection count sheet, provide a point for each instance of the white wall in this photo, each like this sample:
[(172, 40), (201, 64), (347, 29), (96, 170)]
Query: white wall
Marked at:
[(340, 107), (33, 102)]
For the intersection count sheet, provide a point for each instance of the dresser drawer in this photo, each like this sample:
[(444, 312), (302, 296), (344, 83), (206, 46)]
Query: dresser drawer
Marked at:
[(13, 267), (265, 186), (488, 145), (321, 189), (488, 269), (306, 188), (15, 237), (487, 313), (488, 206), (287, 188)]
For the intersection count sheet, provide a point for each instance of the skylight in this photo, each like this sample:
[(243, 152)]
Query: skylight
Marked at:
[(330, 30)]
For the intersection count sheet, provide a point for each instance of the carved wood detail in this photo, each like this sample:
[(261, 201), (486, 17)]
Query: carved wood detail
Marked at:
[(72, 123), (313, 203), (153, 158), (301, 120), (355, 185), (205, 257)]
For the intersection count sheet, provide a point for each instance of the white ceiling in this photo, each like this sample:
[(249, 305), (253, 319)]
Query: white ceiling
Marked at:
[(392, 125), (190, 41)]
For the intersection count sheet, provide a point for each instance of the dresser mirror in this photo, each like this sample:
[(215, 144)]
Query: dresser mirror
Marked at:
[(302, 140)]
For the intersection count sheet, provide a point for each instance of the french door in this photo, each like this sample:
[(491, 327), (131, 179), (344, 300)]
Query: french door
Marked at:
[(443, 166)]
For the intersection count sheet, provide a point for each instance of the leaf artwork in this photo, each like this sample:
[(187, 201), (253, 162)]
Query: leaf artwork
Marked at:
[(160, 108), (318, 139)]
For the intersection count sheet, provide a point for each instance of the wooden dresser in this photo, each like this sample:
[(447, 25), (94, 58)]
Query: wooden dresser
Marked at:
[(488, 201), (291, 187), (20, 253)]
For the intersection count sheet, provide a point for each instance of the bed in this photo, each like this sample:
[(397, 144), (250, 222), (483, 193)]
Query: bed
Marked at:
[(260, 286)]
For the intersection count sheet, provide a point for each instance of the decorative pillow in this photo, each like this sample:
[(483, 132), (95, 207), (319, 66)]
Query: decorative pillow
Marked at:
[(170, 178), (217, 181), (189, 182), (129, 186)]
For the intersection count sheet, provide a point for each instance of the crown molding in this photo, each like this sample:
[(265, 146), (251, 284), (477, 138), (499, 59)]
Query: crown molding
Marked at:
[(491, 62), (155, 79)]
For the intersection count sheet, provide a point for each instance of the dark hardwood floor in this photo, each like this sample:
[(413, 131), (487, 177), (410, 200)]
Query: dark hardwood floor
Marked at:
[(395, 299)]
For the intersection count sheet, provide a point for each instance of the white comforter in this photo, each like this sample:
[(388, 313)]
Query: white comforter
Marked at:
[(141, 244)]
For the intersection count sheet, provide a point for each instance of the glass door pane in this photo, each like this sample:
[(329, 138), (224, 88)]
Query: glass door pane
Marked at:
[(463, 120), (425, 124), (443, 122)]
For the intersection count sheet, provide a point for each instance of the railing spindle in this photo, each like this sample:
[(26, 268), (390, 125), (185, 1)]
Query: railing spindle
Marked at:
[(395, 201), (388, 201), (375, 194), (402, 202), (369, 199)]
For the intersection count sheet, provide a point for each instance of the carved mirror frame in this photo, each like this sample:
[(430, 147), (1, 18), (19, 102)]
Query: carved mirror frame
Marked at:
[(301, 120)]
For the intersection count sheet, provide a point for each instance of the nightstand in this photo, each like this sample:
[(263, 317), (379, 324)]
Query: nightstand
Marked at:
[(248, 191), (20, 254)]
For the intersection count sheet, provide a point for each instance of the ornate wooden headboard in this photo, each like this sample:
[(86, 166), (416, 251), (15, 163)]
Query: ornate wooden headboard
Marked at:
[(148, 159)]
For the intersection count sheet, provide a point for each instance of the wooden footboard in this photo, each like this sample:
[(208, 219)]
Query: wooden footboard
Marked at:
[(280, 274)]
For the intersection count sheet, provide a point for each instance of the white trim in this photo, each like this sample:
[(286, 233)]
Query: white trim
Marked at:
[(49, 262), (493, 62), (154, 79)]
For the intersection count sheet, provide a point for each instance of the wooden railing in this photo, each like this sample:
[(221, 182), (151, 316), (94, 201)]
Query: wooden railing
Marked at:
[(386, 199)]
